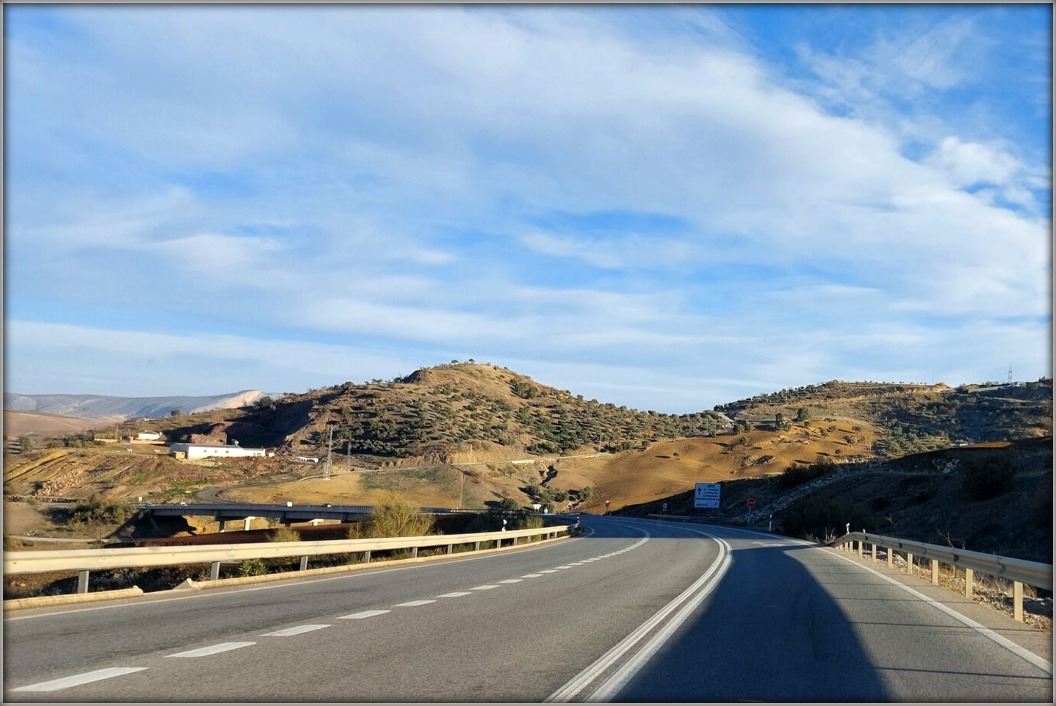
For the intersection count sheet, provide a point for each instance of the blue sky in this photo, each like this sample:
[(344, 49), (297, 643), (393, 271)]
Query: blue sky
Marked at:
[(664, 207)]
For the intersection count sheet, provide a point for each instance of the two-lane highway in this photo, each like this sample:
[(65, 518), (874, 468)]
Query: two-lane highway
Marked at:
[(635, 610)]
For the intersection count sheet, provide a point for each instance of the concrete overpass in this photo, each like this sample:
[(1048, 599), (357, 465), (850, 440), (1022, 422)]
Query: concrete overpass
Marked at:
[(287, 513)]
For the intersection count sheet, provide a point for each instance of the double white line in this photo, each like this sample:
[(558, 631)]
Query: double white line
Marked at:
[(604, 690)]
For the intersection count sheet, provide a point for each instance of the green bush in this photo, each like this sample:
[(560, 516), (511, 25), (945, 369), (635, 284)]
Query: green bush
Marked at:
[(100, 511)]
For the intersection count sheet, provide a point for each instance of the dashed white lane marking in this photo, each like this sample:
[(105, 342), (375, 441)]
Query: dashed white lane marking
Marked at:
[(413, 604), (78, 679), (548, 571), (485, 587), (455, 594), (560, 568), (531, 576), (511, 581), (288, 632), (213, 649), (364, 614)]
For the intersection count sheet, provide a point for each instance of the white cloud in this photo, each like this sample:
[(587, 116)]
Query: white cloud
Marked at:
[(377, 174)]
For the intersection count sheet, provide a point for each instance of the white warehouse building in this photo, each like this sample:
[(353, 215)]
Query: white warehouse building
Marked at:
[(182, 450)]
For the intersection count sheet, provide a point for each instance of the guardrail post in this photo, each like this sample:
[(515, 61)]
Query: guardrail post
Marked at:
[(935, 572), (890, 558), (214, 571), (969, 574), (414, 552), (304, 563), (476, 546), (874, 552), (1017, 600), (909, 563), (82, 582), (860, 544), (450, 548), (366, 557)]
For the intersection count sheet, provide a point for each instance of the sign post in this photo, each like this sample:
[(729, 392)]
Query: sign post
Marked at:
[(664, 506)]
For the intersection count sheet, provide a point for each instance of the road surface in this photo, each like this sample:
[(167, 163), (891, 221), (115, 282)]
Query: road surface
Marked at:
[(635, 610)]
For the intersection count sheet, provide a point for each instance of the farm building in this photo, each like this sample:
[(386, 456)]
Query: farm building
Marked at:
[(148, 436), (182, 450)]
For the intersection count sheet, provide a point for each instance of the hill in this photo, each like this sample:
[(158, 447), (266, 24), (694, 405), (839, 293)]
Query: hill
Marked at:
[(915, 417), (450, 413), (97, 406), (993, 498)]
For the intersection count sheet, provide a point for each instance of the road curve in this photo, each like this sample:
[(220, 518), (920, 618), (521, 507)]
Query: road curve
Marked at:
[(633, 611)]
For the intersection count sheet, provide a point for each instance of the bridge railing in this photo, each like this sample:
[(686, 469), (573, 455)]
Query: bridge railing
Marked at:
[(1019, 571), (83, 561)]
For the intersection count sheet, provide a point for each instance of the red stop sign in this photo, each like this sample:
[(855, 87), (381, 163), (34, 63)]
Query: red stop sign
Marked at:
[(751, 502)]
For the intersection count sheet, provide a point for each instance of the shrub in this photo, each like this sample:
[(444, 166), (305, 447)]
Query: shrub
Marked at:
[(285, 534), (396, 517), (817, 518), (252, 567), (987, 478), (98, 510), (798, 475)]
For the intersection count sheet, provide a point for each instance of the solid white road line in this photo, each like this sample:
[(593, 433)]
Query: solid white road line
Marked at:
[(688, 600), (364, 614), (1026, 654), (78, 679), (288, 632), (213, 649)]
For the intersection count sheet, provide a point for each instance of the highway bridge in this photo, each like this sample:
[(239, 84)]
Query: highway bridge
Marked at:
[(287, 513), (631, 610)]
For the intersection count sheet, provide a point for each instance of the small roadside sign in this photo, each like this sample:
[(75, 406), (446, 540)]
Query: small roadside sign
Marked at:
[(664, 506), (751, 502)]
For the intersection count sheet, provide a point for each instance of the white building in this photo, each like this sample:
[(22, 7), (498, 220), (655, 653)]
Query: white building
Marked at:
[(148, 436), (182, 450)]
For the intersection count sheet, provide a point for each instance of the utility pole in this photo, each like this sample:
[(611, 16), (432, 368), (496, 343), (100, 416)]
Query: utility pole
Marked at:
[(329, 455)]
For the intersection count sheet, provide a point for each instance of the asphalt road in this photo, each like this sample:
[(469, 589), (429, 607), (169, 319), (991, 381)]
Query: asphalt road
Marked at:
[(635, 611)]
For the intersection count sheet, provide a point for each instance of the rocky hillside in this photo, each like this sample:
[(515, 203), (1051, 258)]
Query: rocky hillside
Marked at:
[(916, 417), (445, 414)]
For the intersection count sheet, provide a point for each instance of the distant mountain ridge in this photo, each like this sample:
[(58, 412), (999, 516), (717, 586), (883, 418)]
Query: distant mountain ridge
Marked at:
[(97, 406)]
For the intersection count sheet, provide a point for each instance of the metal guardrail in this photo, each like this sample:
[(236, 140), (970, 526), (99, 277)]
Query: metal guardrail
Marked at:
[(83, 561), (1018, 571)]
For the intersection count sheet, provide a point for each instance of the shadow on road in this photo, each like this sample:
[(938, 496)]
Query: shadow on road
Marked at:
[(770, 633)]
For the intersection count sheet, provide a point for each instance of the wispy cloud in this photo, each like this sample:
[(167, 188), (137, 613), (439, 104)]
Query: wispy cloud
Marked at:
[(631, 189)]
